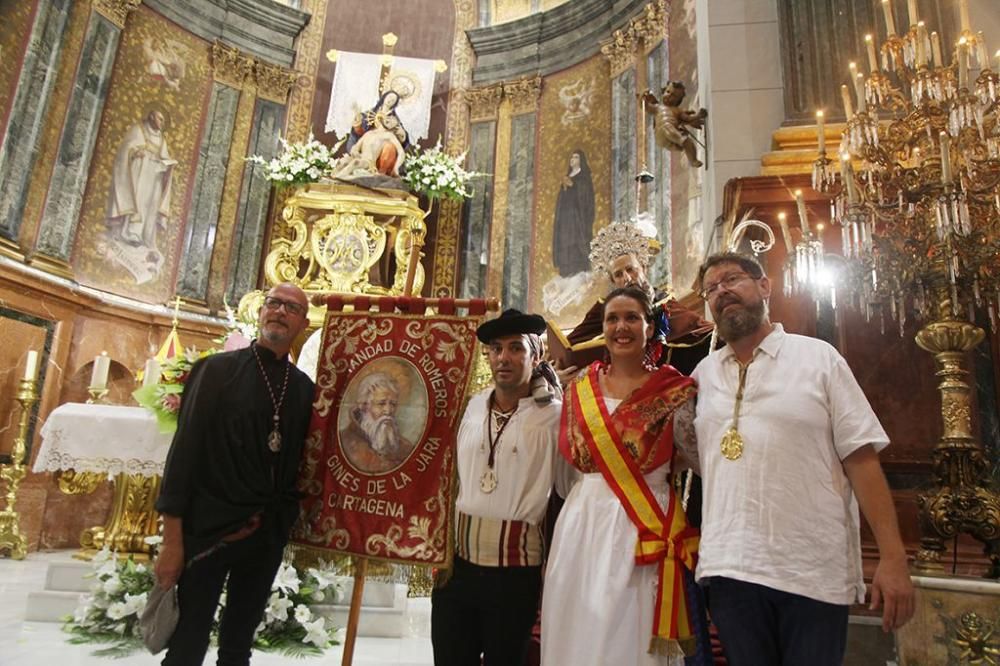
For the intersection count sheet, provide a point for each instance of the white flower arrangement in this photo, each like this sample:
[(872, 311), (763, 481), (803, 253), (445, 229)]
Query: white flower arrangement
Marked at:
[(298, 163), (110, 613), (437, 174)]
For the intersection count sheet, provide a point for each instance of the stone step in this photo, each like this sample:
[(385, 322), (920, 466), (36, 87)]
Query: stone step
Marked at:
[(51, 605), (69, 576), (382, 611)]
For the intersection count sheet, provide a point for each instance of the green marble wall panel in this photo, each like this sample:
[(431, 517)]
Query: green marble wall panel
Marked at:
[(520, 198), (210, 177), (658, 163), (623, 138), (76, 144), (479, 211), (28, 117), (251, 215)]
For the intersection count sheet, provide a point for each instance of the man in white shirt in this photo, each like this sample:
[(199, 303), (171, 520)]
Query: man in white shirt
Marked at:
[(507, 454), (786, 442)]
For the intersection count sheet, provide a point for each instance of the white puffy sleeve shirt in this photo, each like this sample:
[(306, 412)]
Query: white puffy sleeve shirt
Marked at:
[(783, 515), (525, 476)]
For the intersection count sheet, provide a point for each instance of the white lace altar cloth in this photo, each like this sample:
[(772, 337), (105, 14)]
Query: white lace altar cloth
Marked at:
[(104, 439)]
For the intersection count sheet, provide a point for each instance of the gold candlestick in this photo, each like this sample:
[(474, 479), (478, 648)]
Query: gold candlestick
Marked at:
[(11, 538), (98, 395)]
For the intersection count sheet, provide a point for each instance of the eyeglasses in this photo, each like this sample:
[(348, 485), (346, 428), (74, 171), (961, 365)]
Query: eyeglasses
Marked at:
[(729, 282), (292, 308)]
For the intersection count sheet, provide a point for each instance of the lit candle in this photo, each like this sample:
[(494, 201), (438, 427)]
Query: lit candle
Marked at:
[(99, 375), (845, 95), (963, 12), (786, 233), (872, 57), (945, 158), (848, 177), (821, 131), (911, 9), (890, 25), (800, 203), (963, 64), (936, 48), (151, 373), (859, 89), (31, 366)]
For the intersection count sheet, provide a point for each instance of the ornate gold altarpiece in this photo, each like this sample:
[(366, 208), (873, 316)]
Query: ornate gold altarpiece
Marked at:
[(346, 238)]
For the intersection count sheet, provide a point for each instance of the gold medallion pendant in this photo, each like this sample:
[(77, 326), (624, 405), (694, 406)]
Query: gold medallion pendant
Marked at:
[(732, 444)]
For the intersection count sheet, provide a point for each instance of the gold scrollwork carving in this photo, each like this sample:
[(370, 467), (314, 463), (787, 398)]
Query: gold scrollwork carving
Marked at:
[(273, 81), (336, 237), (620, 51), (133, 518), (82, 483), (230, 65), (484, 103), (970, 639), (116, 11), (647, 28), (651, 25), (523, 94), (949, 336)]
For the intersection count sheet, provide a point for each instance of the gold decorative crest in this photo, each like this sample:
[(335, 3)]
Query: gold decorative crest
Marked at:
[(484, 103), (116, 11)]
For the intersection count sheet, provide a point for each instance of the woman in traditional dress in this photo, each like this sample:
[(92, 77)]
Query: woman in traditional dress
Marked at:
[(618, 579)]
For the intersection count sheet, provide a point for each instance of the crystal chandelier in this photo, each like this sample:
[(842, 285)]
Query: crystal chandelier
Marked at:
[(920, 217), (916, 196)]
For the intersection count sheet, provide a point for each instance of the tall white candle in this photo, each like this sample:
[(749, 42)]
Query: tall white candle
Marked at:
[(936, 48), (911, 10), (786, 233), (99, 375), (845, 95), (872, 57), (151, 373), (31, 366), (821, 131), (963, 64), (859, 90), (890, 24), (800, 203), (945, 158), (963, 12)]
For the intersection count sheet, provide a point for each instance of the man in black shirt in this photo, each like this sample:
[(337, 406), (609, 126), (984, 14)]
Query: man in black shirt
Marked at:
[(228, 496)]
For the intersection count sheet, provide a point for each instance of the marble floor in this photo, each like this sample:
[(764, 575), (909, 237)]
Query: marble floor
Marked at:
[(35, 643)]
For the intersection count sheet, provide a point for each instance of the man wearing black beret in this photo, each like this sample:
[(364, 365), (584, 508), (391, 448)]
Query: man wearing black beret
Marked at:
[(507, 462)]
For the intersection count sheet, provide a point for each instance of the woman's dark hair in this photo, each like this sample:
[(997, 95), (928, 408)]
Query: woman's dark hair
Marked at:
[(636, 293)]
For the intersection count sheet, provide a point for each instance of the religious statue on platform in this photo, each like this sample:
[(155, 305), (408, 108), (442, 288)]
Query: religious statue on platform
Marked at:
[(378, 151), (389, 140), (673, 124)]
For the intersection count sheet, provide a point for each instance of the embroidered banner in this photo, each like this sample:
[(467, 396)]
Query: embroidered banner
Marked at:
[(378, 462)]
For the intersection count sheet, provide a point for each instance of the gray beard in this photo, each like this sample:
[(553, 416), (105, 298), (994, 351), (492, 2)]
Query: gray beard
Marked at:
[(382, 433), (741, 323)]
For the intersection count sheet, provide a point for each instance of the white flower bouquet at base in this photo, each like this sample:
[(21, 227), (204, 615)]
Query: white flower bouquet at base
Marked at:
[(436, 174), (298, 163), (109, 615)]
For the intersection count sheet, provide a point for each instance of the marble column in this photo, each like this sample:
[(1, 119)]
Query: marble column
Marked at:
[(255, 196), (28, 113), (520, 201), (658, 164), (206, 201), (479, 208), (623, 145), (521, 102), (61, 211)]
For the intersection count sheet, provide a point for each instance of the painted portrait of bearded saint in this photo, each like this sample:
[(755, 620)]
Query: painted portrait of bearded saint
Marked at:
[(372, 441)]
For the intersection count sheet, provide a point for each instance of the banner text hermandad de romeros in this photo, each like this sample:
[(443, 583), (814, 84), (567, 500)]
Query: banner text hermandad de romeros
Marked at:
[(378, 463)]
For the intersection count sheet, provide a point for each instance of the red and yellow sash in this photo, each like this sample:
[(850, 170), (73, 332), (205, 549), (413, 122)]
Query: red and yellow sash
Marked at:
[(665, 538)]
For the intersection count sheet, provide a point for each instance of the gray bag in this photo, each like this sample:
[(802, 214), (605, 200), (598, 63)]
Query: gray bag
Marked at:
[(159, 618)]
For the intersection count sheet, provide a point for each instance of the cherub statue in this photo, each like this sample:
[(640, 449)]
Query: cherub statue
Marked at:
[(672, 123)]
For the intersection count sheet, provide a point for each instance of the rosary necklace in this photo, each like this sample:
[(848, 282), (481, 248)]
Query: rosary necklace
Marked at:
[(488, 481), (732, 441), (274, 439)]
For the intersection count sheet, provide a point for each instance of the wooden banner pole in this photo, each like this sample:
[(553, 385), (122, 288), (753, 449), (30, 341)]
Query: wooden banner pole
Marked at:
[(360, 568), (411, 267)]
